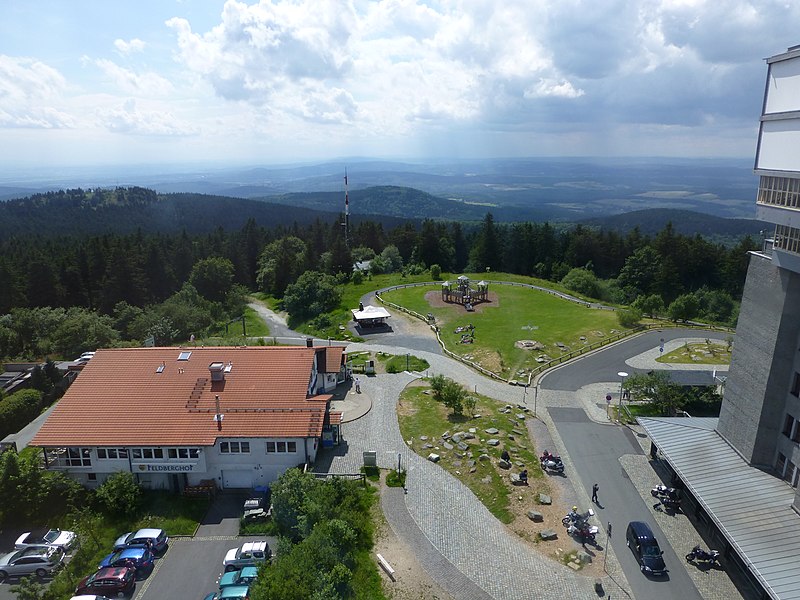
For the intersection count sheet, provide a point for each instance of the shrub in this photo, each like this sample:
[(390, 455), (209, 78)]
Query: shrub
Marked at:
[(120, 494)]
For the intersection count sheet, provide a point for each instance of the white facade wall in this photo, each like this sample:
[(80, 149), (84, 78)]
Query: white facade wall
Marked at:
[(256, 467)]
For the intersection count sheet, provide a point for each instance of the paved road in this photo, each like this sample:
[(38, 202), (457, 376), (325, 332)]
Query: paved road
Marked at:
[(594, 450), (604, 365)]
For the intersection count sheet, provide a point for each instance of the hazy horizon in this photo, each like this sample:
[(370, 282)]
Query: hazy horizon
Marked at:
[(272, 82)]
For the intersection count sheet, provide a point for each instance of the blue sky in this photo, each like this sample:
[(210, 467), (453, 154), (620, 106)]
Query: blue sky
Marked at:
[(86, 82)]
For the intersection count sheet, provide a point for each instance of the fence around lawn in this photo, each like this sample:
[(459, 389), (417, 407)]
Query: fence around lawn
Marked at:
[(551, 363)]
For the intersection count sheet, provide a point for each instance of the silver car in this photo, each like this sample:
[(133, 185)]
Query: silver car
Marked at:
[(35, 560)]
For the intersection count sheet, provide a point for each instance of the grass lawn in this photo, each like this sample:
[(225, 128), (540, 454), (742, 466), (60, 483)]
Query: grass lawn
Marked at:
[(420, 415), (519, 314), (699, 353), (402, 362)]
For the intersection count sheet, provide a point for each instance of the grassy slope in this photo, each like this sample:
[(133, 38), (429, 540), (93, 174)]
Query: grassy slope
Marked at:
[(499, 325)]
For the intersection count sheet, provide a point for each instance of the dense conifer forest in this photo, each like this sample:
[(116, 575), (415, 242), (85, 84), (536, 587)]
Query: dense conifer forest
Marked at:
[(127, 283)]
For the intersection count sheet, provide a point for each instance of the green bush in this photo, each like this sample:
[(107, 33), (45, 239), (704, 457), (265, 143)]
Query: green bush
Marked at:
[(120, 494), (396, 479)]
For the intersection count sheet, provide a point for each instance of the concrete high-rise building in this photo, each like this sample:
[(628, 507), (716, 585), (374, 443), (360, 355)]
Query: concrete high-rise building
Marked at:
[(738, 471), (761, 413)]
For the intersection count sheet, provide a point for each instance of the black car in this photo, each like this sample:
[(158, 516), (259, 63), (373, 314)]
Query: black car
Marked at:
[(645, 548)]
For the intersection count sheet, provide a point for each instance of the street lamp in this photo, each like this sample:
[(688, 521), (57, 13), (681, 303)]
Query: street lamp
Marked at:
[(622, 375)]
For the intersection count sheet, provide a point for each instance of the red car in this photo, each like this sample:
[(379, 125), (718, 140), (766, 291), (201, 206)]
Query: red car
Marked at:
[(108, 581)]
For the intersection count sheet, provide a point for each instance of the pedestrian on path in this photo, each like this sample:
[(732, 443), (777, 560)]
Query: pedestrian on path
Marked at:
[(595, 487), (358, 385)]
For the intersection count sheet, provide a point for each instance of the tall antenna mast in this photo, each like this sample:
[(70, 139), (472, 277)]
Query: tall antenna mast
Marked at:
[(346, 212)]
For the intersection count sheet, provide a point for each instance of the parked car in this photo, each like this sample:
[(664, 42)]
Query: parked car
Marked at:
[(46, 537), (232, 592), (249, 555), (89, 597), (640, 539), (34, 560), (246, 576), (109, 581), (138, 557), (155, 539)]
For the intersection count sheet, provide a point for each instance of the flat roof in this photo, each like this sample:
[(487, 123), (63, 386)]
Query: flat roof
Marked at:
[(751, 508)]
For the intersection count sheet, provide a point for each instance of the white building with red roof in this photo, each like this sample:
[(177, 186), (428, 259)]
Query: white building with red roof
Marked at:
[(178, 416)]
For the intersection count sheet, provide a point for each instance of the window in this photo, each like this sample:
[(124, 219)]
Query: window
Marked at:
[(234, 447), (183, 453), (780, 464), (92, 476), (185, 355), (194, 452), (112, 453), (78, 457), (795, 391), (281, 447), (790, 472), (137, 453), (787, 425), (172, 453)]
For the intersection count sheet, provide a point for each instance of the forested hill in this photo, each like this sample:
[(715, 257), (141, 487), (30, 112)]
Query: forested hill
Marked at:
[(396, 201), (81, 212), (685, 222)]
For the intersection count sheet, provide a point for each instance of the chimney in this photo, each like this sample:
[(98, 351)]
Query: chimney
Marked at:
[(217, 370), (309, 342)]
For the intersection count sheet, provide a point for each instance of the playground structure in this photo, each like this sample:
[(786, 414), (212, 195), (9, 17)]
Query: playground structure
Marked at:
[(463, 293)]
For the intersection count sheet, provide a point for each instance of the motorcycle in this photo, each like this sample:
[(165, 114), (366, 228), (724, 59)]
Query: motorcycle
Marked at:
[(584, 532), (698, 554), (552, 465), (662, 491), (551, 462), (575, 518)]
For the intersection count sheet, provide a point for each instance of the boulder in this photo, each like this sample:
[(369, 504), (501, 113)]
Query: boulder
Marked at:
[(483, 457), (545, 499), (504, 464), (473, 431), (493, 442), (433, 457), (584, 557), (462, 446), (535, 516), (447, 446), (521, 416), (492, 431), (470, 435), (548, 534)]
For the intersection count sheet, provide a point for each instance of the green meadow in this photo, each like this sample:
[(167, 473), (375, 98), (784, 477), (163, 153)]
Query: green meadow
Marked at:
[(515, 315)]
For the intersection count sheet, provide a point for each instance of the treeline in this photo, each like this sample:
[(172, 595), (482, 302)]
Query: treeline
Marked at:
[(125, 288)]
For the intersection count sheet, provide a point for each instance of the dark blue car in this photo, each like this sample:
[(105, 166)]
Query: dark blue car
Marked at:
[(138, 557)]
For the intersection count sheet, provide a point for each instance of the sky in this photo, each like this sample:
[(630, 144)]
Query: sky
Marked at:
[(105, 82)]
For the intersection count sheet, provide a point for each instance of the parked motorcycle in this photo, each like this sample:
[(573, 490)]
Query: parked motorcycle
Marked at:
[(556, 466), (673, 504), (575, 518), (698, 554), (583, 532), (661, 491)]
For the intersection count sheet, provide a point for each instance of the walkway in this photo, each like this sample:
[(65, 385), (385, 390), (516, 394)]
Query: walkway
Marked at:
[(452, 519)]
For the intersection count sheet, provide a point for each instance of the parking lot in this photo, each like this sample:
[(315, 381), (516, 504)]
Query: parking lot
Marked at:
[(191, 567)]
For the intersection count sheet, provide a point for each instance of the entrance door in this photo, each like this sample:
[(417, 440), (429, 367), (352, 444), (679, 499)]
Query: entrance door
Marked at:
[(237, 479)]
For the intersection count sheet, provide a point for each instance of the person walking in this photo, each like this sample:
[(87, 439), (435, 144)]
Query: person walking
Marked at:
[(595, 487)]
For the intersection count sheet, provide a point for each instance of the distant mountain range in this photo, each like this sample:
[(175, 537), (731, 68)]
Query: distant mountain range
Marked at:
[(126, 210), (552, 189)]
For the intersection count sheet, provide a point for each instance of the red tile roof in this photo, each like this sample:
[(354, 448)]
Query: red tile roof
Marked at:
[(333, 358), (120, 398)]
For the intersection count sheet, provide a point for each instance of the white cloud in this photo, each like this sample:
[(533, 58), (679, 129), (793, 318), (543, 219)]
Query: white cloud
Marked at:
[(29, 93), (125, 48), (126, 118), (149, 84)]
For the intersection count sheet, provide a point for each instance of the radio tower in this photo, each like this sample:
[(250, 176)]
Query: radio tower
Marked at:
[(346, 212)]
